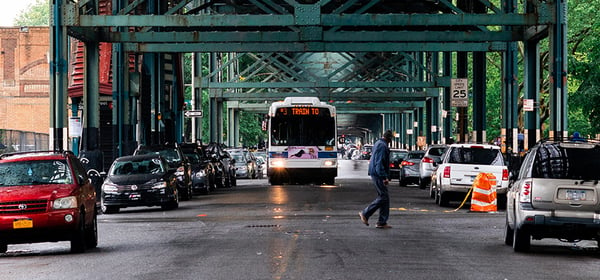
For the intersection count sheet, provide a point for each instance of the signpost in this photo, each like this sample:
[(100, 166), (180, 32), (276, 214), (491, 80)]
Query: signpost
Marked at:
[(459, 96), (193, 114)]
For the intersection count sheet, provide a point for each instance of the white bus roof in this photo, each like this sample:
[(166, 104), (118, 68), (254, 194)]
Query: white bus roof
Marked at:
[(300, 101)]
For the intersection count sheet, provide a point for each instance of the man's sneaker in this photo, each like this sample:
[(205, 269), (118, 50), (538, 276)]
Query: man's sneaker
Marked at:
[(363, 219), (383, 226)]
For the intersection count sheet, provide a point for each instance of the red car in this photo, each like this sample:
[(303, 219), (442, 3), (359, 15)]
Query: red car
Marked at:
[(46, 197)]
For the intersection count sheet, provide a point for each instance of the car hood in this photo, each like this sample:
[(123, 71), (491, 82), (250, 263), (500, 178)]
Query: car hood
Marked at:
[(135, 179), (35, 192)]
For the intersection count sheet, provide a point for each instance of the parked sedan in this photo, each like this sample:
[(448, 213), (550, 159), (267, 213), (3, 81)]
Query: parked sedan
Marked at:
[(409, 171), (223, 163), (432, 155), (142, 180), (396, 157), (203, 170), (177, 160)]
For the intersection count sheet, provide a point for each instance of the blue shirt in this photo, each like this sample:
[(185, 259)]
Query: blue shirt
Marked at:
[(380, 160)]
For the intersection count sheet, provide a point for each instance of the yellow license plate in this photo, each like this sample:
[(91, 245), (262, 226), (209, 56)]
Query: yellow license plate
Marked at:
[(24, 223)]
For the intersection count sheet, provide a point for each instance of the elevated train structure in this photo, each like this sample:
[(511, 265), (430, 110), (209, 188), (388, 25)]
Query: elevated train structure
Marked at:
[(382, 63)]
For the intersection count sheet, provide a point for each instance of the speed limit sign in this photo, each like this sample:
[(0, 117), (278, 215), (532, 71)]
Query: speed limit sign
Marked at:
[(459, 93)]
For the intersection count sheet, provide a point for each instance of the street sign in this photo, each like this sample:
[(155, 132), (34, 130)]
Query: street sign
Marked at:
[(193, 114), (528, 105), (459, 96)]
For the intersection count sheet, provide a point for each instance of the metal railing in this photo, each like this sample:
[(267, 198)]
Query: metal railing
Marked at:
[(22, 141)]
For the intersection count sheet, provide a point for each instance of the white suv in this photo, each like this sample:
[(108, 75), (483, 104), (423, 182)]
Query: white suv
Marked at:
[(555, 195), (460, 164)]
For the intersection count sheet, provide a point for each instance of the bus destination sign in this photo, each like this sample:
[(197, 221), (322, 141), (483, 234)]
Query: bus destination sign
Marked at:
[(299, 111)]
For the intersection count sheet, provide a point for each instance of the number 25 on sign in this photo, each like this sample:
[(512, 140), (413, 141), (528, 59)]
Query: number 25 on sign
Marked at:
[(459, 89)]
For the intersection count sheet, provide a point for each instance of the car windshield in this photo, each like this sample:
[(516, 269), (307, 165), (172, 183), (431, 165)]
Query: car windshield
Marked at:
[(171, 155), (239, 158), (436, 151), (394, 155), (415, 156), (466, 155), (194, 158), (553, 161), (35, 173), (147, 166)]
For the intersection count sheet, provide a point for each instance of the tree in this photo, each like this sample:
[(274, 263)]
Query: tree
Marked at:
[(37, 14), (584, 71)]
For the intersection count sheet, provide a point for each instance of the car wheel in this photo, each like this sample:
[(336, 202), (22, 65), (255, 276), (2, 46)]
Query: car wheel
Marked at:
[(91, 234), (443, 199), (431, 191), (402, 182), (3, 248), (227, 182), (422, 183), (508, 234), (232, 180), (78, 238), (185, 194), (219, 182), (521, 240)]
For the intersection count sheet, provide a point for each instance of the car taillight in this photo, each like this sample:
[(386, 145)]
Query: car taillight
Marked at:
[(525, 193), (427, 160), (392, 164), (504, 174), (404, 163), (447, 172)]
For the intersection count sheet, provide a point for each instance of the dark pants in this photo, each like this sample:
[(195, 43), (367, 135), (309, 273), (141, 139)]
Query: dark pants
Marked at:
[(382, 202)]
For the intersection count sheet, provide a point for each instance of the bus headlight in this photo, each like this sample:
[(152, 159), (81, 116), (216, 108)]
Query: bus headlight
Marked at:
[(329, 163), (278, 163)]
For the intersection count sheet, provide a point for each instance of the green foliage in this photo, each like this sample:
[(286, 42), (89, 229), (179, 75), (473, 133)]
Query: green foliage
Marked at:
[(250, 129), (37, 14), (584, 71)]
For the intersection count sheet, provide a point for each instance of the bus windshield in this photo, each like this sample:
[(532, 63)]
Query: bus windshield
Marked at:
[(315, 130)]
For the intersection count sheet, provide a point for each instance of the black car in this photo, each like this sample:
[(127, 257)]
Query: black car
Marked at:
[(224, 165), (365, 152), (141, 180), (177, 160), (396, 158), (203, 170)]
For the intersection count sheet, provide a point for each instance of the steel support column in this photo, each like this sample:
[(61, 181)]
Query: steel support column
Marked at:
[(532, 71), (558, 72), (479, 97), (447, 119), (58, 77), (462, 73)]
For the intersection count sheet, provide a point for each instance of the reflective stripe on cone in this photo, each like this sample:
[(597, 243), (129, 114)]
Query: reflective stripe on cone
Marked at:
[(483, 198)]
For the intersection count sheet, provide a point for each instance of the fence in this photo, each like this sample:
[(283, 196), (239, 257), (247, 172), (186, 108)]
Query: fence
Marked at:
[(22, 141)]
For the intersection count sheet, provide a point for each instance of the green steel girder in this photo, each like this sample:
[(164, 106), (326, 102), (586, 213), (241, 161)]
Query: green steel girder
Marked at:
[(341, 108), (325, 20), (317, 47), (326, 84), (345, 96)]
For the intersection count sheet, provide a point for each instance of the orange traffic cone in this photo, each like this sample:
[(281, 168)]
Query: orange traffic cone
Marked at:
[(484, 193)]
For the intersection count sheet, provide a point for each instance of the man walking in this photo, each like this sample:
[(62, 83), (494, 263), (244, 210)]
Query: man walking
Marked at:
[(379, 169)]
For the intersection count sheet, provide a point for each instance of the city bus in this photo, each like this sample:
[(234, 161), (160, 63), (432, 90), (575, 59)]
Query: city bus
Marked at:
[(301, 144)]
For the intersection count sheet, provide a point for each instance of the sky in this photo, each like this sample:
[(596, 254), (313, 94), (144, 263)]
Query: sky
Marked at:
[(10, 8)]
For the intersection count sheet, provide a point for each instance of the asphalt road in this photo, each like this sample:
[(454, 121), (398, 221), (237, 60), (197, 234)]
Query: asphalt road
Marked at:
[(257, 231)]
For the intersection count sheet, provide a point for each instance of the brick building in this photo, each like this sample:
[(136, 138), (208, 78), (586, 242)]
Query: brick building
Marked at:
[(24, 79)]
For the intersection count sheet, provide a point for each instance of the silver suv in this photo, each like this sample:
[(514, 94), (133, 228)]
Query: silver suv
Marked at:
[(555, 195), (433, 154)]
